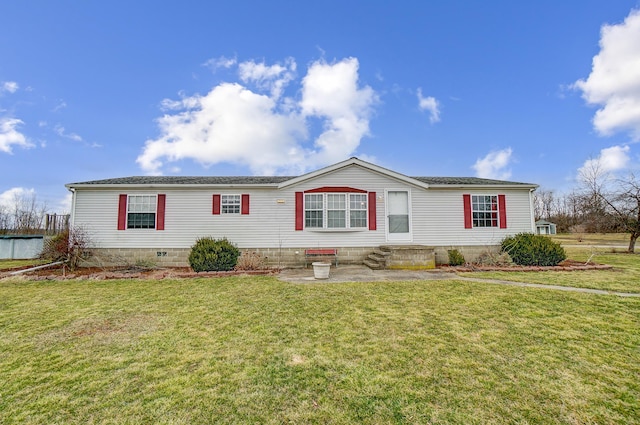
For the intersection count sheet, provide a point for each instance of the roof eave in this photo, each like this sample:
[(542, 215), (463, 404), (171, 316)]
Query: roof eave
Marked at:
[(169, 186), (484, 186)]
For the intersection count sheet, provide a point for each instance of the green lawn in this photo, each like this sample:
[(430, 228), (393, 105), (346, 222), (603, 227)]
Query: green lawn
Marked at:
[(587, 239), (11, 264), (258, 350)]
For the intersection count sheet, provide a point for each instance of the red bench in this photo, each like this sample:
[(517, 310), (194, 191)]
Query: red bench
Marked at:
[(320, 252)]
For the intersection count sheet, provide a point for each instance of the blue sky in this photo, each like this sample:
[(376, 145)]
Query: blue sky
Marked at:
[(525, 91)]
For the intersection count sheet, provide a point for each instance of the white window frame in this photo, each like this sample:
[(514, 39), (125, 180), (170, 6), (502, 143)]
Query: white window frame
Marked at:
[(485, 213), (230, 204), (328, 207), (142, 204)]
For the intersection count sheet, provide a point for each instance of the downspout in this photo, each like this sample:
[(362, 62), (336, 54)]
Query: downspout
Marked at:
[(531, 211), (73, 207)]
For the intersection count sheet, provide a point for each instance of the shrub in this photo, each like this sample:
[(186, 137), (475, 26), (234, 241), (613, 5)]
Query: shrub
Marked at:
[(210, 254), (455, 257), (70, 246), (250, 261), (527, 249), (490, 258)]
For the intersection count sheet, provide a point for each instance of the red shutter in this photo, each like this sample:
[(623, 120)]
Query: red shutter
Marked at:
[(245, 204), (122, 212), (372, 211), (466, 198), (502, 211), (299, 210), (216, 204), (162, 199)]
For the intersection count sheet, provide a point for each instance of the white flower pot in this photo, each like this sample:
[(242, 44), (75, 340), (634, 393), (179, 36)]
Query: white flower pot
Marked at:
[(321, 270)]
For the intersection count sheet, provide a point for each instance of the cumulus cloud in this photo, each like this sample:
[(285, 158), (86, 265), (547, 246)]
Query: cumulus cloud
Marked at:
[(258, 127), (429, 104), (8, 197), (494, 165), (10, 136), (610, 160), (273, 78), (9, 86), (614, 82)]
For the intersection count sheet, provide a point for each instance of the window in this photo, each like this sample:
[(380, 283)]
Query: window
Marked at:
[(484, 210), (335, 210), (230, 204), (141, 212), (313, 209), (358, 209)]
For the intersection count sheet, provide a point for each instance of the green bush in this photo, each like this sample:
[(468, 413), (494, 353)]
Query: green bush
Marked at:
[(527, 249), (455, 258), (210, 254)]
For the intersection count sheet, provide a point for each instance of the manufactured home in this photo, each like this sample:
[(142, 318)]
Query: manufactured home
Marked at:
[(353, 207)]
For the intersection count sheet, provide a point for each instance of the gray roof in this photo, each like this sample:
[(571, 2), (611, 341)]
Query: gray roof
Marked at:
[(466, 181), (204, 180), (266, 180)]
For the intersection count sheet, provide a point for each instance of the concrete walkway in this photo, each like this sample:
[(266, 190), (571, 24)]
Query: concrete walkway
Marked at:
[(357, 273)]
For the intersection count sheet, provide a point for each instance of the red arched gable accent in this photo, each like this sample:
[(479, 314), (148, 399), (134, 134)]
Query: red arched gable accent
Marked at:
[(336, 189)]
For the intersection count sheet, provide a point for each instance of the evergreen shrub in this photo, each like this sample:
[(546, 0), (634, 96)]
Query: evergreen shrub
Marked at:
[(210, 254), (527, 249)]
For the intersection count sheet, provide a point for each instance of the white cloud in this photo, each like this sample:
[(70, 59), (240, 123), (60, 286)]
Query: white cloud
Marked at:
[(64, 205), (267, 132), (9, 86), (430, 104), (611, 159), (493, 165), (8, 197), (221, 62), (60, 131), (9, 135), (614, 82), (272, 78), (61, 105)]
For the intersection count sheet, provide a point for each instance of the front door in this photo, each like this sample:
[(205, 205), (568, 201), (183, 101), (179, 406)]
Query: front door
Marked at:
[(398, 216)]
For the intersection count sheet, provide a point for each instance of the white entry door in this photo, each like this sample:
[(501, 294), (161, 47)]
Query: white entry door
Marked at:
[(398, 216)]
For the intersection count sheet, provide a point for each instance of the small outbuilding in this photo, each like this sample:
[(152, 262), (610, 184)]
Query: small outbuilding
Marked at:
[(544, 227)]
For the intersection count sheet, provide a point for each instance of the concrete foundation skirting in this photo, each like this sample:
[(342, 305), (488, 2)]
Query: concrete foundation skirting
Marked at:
[(275, 257)]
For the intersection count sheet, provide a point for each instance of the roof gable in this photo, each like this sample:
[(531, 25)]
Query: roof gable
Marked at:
[(352, 162), (282, 182)]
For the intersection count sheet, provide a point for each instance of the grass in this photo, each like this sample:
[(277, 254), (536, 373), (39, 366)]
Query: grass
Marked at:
[(258, 350), (586, 239), (11, 264), (625, 276)]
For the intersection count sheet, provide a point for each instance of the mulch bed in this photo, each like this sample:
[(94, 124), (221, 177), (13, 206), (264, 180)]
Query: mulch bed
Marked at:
[(108, 273), (566, 265), (95, 273)]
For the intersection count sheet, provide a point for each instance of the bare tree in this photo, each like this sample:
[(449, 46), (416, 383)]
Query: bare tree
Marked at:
[(614, 202), (625, 204), (543, 203), (24, 214)]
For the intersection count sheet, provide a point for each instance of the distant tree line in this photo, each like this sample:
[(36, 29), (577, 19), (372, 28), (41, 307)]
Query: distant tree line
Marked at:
[(23, 214), (601, 203)]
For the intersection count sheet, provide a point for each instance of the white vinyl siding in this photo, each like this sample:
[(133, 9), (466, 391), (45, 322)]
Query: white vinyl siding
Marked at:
[(437, 216)]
